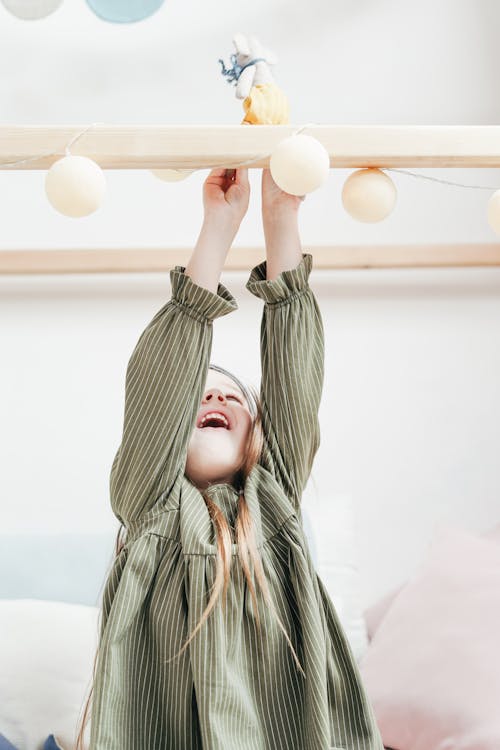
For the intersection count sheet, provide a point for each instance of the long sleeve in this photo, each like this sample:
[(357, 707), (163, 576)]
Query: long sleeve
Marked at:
[(292, 361), (164, 382)]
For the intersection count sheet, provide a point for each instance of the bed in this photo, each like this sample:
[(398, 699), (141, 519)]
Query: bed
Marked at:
[(427, 650)]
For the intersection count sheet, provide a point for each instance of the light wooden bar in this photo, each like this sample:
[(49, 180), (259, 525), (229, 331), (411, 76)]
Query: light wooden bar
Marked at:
[(204, 146), (136, 260)]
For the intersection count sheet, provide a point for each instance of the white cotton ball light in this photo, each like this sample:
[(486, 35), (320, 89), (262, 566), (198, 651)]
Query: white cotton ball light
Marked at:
[(494, 212), (299, 164), (369, 195), (75, 186), (172, 175), (31, 10)]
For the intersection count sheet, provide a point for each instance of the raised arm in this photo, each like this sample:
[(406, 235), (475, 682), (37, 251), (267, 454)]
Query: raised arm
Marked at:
[(280, 220), (167, 370), (292, 343)]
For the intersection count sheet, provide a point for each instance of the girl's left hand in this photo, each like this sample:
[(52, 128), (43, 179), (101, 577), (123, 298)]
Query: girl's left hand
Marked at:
[(275, 200), (226, 195)]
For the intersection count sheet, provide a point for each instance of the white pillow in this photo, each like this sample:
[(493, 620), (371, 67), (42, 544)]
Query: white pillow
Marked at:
[(329, 527), (46, 656)]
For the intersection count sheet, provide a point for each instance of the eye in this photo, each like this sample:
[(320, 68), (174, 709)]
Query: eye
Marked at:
[(231, 395)]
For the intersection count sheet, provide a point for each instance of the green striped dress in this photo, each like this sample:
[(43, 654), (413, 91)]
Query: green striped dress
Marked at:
[(230, 688)]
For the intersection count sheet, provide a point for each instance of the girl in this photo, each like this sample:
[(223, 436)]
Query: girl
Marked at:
[(216, 631)]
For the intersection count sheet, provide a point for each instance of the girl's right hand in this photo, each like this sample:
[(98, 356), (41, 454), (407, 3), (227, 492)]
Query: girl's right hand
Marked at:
[(226, 195)]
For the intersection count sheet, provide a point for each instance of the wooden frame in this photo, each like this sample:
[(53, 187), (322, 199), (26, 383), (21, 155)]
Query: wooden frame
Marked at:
[(149, 260), (202, 147)]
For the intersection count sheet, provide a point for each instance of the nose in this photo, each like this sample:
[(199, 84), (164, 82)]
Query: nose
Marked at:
[(213, 395)]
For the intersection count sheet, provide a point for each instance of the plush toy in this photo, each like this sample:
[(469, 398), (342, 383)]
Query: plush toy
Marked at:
[(264, 102)]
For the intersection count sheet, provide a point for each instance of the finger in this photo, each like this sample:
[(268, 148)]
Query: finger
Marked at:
[(218, 172), (267, 178), (242, 177)]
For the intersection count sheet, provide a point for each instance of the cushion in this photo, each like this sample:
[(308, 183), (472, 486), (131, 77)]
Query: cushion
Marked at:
[(329, 525), (374, 614), (5, 744), (493, 534), (46, 656), (31, 566), (432, 670), (51, 743)]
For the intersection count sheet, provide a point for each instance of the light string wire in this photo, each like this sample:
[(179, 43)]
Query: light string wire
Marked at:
[(67, 152)]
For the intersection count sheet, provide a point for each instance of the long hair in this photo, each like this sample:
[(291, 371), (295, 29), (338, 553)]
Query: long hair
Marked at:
[(245, 540), (245, 537)]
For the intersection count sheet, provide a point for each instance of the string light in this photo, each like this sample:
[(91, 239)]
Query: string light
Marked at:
[(299, 164), (368, 194), (51, 153)]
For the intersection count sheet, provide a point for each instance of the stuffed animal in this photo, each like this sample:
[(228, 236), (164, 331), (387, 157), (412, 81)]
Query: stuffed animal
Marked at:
[(264, 102)]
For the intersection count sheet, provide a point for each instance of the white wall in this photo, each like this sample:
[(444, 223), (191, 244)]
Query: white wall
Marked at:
[(409, 416), (411, 408)]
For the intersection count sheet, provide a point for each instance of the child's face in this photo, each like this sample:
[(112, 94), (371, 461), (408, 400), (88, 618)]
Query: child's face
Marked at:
[(216, 448)]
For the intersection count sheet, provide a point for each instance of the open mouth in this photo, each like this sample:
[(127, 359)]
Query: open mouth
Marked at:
[(214, 420)]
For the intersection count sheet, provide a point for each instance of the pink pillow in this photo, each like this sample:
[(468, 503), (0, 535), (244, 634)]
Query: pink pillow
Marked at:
[(493, 534), (432, 670), (376, 612)]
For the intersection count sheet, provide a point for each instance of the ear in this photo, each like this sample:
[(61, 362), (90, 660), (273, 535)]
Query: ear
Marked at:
[(269, 55), (241, 44), (256, 47)]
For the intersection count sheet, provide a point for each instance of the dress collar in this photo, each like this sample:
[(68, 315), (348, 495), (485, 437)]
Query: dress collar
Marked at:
[(195, 525), (223, 489)]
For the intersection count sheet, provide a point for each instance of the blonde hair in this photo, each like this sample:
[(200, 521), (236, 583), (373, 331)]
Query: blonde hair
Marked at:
[(245, 539), (247, 552)]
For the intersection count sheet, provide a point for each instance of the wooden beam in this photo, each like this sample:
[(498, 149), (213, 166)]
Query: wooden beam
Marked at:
[(203, 146), (147, 260)]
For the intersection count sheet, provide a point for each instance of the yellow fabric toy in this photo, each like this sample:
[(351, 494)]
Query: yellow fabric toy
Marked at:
[(264, 102)]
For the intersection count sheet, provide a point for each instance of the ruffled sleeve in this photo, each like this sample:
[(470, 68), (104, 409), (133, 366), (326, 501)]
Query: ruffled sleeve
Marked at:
[(164, 382), (292, 360)]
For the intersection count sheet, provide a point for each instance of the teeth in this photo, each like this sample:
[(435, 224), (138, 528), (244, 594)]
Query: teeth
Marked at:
[(213, 414)]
